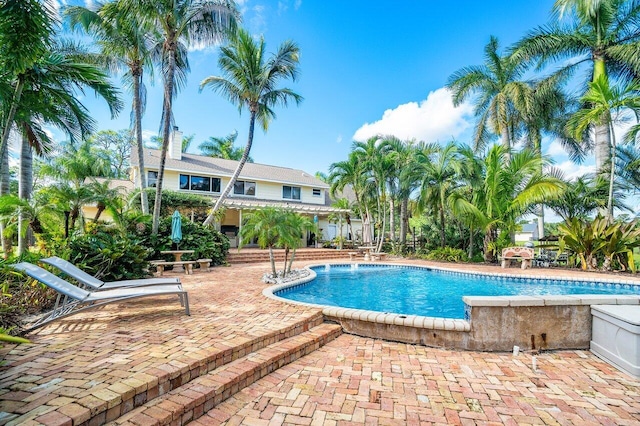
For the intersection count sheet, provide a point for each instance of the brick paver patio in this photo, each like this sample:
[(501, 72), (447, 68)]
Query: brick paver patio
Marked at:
[(100, 361)]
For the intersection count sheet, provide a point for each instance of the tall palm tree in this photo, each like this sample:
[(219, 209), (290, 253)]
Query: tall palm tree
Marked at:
[(378, 165), (223, 148), (438, 168), (607, 105), (249, 80), (26, 27), (602, 33), (509, 189), (179, 23), (124, 44), (498, 87)]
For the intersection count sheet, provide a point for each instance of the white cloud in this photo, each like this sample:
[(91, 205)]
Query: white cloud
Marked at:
[(555, 150), (339, 139), (430, 120), (572, 170)]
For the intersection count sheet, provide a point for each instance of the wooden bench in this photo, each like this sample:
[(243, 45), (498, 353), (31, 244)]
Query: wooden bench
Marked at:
[(525, 254), (204, 264), (161, 264)]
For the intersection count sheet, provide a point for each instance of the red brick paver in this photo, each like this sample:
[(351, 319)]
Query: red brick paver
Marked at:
[(355, 380)]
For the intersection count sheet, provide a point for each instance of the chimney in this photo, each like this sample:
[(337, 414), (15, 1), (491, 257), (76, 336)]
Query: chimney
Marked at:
[(175, 144)]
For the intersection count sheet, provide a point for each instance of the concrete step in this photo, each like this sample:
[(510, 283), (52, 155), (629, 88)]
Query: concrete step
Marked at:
[(195, 398), (263, 256)]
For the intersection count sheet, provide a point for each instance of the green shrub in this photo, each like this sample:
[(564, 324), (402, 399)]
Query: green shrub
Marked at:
[(206, 242), (448, 254)]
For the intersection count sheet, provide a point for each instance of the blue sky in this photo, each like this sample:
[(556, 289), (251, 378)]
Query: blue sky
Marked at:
[(367, 67)]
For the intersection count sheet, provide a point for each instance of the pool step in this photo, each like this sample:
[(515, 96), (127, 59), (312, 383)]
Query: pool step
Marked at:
[(195, 398)]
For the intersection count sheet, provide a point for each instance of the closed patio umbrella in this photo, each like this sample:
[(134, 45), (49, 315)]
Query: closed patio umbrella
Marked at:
[(176, 227)]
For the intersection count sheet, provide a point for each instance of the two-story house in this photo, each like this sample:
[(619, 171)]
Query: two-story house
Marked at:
[(258, 185)]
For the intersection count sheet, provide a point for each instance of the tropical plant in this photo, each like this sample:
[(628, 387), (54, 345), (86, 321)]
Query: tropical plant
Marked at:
[(603, 33), (447, 254), (178, 24), (249, 80), (223, 148), (606, 106), (124, 44), (498, 88), (296, 227), (600, 243), (582, 197), (438, 169), (265, 226), (508, 191)]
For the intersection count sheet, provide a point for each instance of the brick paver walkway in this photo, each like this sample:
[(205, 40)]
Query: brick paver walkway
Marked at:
[(355, 380), (96, 360)]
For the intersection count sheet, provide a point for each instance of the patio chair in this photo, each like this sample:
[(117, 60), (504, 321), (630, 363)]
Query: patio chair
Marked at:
[(73, 299), (90, 281)]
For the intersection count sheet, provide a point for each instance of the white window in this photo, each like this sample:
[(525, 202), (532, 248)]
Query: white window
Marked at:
[(199, 183), (291, 192), (152, 178), (242, 187)]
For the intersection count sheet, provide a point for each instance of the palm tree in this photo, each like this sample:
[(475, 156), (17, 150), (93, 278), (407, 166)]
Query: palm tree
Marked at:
[(582, 197), (351, 173), (509, 190), (49, 97), (25, 36), (498, 88), (438, 168), (604, 33), (124, 44), (606, 105), (264, 225), (377, 164), (223, 148), (249, 80), (179, 23), (293, 231)]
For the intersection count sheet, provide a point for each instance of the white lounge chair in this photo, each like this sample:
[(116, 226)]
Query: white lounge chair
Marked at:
[(90, 281), (73, 299)]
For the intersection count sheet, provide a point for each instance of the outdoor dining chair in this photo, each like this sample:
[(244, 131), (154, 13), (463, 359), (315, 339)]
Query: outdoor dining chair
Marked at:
[(73, 299), (90, 281)]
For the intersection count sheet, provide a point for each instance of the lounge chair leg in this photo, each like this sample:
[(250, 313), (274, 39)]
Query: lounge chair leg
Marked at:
[(186, 304)]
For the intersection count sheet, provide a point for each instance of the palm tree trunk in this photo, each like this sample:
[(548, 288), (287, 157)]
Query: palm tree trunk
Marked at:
[(293, 256), (4, 145), (506, 143), (243, 160), (443, 241), (4, 190), (24, 191), (137, 111), (168, 99), (392, 219), (273, 262), (612, 174), (4, 158), (284, 266), (404, 219)]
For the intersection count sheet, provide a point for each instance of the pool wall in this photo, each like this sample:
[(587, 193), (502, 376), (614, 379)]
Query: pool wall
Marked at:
[(492, 323)]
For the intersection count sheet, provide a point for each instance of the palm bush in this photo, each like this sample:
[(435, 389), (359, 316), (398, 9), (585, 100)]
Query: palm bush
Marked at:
[(601, 243)]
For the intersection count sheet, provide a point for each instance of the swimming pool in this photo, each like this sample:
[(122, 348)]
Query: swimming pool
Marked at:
[(428, 292), (543, 315)]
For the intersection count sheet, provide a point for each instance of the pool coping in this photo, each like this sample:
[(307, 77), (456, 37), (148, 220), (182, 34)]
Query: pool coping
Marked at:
[(455, 324)]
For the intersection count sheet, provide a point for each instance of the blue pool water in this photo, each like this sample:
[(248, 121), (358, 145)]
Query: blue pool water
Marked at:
[(427, 292)]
